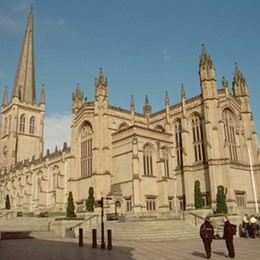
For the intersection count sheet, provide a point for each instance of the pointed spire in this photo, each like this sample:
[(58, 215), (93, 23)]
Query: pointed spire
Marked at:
[(147, 107), (224, 83), (167, 101), (205, 58), (42, 98), (78, 94), (238, 76), (25, 77), (101, 80), (239, 85), (183, 95), (132, 104), (5, 97)]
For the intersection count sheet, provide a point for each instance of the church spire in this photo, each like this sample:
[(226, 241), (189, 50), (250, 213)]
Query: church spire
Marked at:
[(25, 77), (101, 80), (207, 75), (101, 87), (147, 107), (42, 98), (132, 104), (239, 85), (5, 98)]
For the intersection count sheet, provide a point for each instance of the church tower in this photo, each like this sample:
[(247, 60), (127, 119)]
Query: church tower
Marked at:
[(22, 118)]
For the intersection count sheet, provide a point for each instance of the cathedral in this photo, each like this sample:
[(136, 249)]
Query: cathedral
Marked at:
[(146, 163)]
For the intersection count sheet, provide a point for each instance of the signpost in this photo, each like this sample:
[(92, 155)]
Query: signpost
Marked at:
[(101, 204)]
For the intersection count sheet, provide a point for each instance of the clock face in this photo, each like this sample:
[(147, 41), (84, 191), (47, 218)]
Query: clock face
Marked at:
[(5, 151)]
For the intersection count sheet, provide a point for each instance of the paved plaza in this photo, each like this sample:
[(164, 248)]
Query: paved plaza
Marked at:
[(26, 249)]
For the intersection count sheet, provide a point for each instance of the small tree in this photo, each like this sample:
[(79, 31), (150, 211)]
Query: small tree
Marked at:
[(70, 207), (90, 200), (221, 200), (7, 202), (197, 195)]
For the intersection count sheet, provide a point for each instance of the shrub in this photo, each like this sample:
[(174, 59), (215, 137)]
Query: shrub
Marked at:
[(90, 200), (221, 200), (70, 207), (198, 196)]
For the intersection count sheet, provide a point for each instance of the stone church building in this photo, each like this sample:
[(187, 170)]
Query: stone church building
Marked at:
[(147, 163)]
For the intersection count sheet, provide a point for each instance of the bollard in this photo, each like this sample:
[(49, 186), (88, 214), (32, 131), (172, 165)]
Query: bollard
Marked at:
[(94, 238), (109, 239), (80, 237)]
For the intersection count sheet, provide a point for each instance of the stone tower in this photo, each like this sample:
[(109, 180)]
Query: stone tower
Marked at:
[(22, 118)]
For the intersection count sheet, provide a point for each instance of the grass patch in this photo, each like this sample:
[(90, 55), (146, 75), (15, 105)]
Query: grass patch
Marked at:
[(56, 214), (65, 218)]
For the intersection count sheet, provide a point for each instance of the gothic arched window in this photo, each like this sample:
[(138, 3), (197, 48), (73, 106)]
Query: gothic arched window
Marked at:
[(166, 162), (178, 142), (22, 123), (198, 142), (229, 129), (32, 125), (86, 150), (55, 176), (148, 160)]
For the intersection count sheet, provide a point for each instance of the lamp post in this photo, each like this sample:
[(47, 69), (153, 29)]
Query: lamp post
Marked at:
[(253, 180), (101, 204), (103, 246)]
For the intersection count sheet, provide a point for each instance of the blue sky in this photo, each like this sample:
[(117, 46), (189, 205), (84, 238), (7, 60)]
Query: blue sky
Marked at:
[(145, 47)]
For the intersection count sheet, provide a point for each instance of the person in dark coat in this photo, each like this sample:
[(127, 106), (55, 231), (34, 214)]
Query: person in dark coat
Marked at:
[(207, 234), (228, 236)]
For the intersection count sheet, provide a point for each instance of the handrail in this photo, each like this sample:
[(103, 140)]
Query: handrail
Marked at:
[(85, 220), (196, 216), (6, 214)]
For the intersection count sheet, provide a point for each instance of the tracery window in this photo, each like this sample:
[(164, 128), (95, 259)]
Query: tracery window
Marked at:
[(198, 142), (178, 142), (166, 162), (22, 123), (148, 160), (32, 125), (86, 150), (229, 129)]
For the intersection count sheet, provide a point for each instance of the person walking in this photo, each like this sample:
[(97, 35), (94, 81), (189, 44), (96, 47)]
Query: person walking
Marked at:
[(252, 226), (207, 234), (228, 236), (245, 225)]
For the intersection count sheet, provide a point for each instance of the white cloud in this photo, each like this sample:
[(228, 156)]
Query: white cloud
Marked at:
[(57, 131), (166, 52), (11, 12), (8, 23), (59, 24)]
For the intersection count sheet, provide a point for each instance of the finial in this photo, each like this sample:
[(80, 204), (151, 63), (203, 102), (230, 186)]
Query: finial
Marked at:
[(167, 101), (182, 92)]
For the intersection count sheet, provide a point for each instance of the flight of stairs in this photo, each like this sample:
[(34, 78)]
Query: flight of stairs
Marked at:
[(26, 227), (152, 230)]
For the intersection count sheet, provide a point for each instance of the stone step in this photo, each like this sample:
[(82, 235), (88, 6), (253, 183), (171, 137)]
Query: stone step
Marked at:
[(44, 235), (26, 224), (153, 230)]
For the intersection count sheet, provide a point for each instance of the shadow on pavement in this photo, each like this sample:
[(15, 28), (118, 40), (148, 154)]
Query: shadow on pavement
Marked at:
[(54, 250), (219, 253), (198, 254)]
